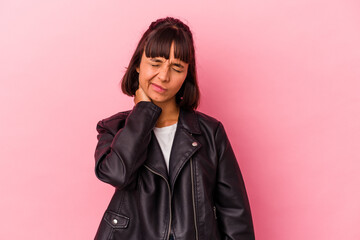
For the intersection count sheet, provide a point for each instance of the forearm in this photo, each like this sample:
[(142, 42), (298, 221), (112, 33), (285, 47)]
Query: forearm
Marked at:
[(119, 156)]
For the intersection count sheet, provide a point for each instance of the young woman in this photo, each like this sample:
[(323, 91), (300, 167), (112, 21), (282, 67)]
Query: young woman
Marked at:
[(173, 168)]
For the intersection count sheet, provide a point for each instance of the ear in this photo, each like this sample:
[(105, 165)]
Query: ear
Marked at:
[(138, 69)]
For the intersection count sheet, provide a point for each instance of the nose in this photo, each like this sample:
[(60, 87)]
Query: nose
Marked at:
[(164, 73)]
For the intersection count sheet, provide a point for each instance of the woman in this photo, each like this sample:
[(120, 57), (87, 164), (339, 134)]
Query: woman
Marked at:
[(173, 168)]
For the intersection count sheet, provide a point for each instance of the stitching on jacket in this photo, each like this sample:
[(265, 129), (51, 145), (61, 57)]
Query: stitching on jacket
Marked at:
[(186, 160), (121, 200), (197, 195), (111, 234), (166, 231)]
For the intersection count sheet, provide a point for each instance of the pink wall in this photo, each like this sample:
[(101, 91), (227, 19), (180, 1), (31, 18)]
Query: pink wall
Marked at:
[(283, 76)]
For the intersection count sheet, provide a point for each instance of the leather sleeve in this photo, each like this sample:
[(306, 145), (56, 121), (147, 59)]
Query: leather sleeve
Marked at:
[(231, 201), (119, 155)]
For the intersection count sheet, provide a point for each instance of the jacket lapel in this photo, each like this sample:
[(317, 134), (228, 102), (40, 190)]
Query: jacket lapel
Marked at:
[(184, 144), (156, 160)]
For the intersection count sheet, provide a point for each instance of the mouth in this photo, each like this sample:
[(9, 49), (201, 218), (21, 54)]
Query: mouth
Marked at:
[(158, 88)]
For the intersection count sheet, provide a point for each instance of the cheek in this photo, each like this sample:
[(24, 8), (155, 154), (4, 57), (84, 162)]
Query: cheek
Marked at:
[(178, 83), (181, 79), (142, 76), (146, 74), (141, 80), (143, 83)]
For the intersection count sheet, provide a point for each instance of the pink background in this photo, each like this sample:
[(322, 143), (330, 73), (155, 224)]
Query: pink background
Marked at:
[(283, 76)]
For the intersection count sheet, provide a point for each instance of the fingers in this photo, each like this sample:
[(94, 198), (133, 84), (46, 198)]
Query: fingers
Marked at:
[(140, 95)]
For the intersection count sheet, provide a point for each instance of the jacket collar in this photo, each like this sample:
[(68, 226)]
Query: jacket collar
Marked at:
[(189, 121)]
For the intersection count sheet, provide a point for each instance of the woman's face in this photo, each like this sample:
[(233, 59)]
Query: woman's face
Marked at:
[(162, 78)]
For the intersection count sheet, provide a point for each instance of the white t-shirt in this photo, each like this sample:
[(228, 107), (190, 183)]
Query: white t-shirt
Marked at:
[(165, 137)]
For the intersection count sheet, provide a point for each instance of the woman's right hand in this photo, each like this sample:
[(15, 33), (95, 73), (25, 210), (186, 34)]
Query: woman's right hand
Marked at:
[(140, 95)]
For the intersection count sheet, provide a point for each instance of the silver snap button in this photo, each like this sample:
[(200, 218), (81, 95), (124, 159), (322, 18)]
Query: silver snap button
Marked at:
[(194, 144), (115, 221)]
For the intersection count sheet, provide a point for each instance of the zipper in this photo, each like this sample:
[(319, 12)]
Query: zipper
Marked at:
[(193, 198), (214, 209), (168, 235)]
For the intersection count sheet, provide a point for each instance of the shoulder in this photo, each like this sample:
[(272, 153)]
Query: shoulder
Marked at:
[(114, 122), (213, 130), (120, 116), (207, 122), (203, 117)]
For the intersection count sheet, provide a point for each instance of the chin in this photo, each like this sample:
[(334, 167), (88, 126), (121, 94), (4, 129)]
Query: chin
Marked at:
[(156, 98), (160, 100)]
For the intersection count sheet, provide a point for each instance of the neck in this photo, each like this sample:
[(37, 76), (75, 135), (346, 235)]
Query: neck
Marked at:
[(169, 114)]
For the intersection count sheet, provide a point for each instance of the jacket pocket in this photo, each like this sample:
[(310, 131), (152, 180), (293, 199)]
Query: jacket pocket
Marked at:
[(116, 220)]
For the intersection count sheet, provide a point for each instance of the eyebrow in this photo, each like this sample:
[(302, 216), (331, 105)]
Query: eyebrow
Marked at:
[(160, 61), (178, 65), (156, 60)]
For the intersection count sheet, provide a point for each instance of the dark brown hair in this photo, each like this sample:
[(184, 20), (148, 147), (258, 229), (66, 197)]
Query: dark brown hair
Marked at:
[(156, 42)]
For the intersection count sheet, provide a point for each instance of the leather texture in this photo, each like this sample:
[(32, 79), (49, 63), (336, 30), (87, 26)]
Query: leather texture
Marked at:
[(203, 196)]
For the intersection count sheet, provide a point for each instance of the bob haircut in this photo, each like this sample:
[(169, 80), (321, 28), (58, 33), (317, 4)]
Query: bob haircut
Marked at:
[(156, 42)]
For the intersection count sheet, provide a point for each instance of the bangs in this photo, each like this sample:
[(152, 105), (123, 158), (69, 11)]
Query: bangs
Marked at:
[(159, 44)]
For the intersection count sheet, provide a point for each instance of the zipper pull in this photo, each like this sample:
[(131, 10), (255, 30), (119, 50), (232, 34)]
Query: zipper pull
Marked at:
[(214, 209)]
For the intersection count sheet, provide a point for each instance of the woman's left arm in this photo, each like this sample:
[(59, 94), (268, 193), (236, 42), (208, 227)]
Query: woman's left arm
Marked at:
[(231, 201)]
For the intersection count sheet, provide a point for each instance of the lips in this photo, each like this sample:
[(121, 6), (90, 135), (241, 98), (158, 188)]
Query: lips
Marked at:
[(158, 88)]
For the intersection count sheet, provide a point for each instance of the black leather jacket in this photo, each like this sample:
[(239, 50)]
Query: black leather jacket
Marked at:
[(203, 196)]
